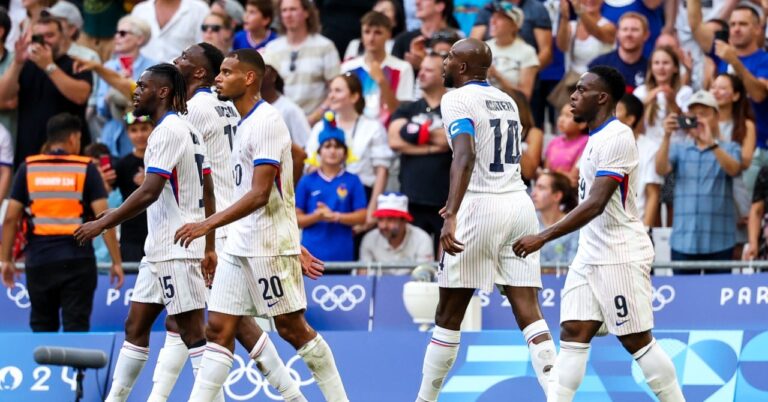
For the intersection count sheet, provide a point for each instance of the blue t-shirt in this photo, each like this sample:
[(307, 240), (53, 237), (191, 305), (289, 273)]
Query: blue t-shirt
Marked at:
[(634, 74), (344, 193), (757, 64), (655, 19), (241, 41)]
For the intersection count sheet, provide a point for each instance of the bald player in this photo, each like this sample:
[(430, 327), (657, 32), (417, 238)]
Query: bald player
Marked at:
[(609, 280), (486, 211), (259, 272)]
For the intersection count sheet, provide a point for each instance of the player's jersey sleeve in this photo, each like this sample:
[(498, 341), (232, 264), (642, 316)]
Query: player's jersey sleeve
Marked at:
[(163, 152), (266, 149), (616, 157), (456, 116)]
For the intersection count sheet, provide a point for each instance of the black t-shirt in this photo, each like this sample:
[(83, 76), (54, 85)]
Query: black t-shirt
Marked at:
[(39, 100), (133, 230), (761, 186), (423, 178), (48, 249)]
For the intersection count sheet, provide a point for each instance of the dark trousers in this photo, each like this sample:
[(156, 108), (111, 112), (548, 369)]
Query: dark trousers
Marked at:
[(725, 255), (539, 104), (68, 286), (428, 217), (131, 251)]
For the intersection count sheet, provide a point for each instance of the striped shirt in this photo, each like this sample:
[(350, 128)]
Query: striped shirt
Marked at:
[(263, 139), (217, 122), (616, 236), (175, 151)]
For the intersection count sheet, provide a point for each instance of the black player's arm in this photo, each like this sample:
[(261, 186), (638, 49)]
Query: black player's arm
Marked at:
[(261, 187), (137, 202), (209, 201), (461, 171), (601, 192)]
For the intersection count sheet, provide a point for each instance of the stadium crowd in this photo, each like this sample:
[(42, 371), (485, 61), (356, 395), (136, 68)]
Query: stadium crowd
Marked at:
[(359, 84)]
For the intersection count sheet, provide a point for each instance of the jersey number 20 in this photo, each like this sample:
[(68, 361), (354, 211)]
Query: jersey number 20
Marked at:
[(512, 153)]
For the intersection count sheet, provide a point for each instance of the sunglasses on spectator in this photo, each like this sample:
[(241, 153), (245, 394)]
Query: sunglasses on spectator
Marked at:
[(211, 27), (294, 56), (121, 33)]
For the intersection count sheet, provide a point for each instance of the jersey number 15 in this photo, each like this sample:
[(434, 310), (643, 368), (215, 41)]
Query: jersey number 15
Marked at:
[(512, 153)]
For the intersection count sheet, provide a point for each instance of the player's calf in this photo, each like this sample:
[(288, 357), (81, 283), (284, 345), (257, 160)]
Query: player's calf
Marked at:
[(657, 367)]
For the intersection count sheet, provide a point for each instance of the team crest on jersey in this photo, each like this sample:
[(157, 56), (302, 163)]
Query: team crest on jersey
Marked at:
[(342, 191)]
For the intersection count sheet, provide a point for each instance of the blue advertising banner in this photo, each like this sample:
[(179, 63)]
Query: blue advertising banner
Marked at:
[(339, 303)]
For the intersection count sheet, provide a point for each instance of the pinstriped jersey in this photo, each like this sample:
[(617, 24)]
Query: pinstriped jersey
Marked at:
[(175, 151), (492, 118), (217, 121), (263, 139), (616, 236)]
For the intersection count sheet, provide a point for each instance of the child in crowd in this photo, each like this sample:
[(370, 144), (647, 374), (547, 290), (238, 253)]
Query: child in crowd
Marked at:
[(256, 31), (563, 152)]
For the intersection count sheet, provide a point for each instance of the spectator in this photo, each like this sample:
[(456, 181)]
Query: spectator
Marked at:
[(563, 152), (131, 35), (652, 12), (231, 8), (433, 15), (43, 71), (757, 219), (305, 59), (61, 274), (6, 161), (515, 63), (630, 111), (130, 175), (100, 20), (704, 216), (256, 33), (686, 62), (553, 196), (336, 17), (175, 25), (536, 29), (370, 155), (662, 91), (396, 240), (216, 31), (591, 35), (628, 58), (330, 200), (7, 109), (272, 92), (394, 11), (24, 17), (100, 157), (533, 139), (386, 79), (71, 23), (417, 134)]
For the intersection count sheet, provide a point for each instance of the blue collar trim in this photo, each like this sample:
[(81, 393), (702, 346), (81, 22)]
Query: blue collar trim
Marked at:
[(602, 126), (253, 109), (164, 116), (481, 83)]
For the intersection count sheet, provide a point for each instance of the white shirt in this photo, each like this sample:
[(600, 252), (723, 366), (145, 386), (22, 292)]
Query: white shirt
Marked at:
[(655, 131), (263, 139), (217, 122), (646, 170), (510, 60), (366, 141), (616, 236), (181, 31), (175, 150), (6, 147), (416, 247), (298, 125), (586, 50), (487, 113), (398, 72)]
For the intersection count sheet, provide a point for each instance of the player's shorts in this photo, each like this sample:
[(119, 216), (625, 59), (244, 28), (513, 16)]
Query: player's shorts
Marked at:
[(177, 284), (488, 225), (257, 286), (618, 295)]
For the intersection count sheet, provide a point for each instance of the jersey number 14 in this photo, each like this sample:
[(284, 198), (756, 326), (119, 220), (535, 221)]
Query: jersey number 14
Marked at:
[(512, 153)]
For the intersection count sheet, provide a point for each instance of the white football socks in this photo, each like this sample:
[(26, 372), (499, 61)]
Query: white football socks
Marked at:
[(568, 371), (319, 359), (131, 360), (272, 367), (438, 360), (170, 361), (214, 368), (543, 354), (659, 372)]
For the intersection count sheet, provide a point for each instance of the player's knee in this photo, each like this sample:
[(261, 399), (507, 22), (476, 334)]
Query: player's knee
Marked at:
[(133, 332), (572, 331), (634, 342), (294, 329)]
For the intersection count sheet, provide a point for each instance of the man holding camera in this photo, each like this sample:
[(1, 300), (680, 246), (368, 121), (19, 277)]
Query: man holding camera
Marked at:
[(704, 224), (41, 77)]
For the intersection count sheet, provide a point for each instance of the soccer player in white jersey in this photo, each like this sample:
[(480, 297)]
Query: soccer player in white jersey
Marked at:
[(177, 188), (609, 280), (259, 271), (486, 211)]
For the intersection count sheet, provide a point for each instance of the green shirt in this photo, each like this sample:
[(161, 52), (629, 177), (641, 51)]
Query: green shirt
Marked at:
[(100, 17)]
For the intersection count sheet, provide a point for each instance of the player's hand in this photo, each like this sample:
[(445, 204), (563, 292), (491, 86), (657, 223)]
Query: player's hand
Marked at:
[(447, 237), (116, 276), (88, 231), (189, 232), (527, 245), (210, 260), (10, 273), (311, 266)]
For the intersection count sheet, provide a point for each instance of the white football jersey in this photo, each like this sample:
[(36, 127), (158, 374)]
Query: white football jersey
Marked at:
[(491, 116), (217, 121), (263, 139), (175, 150), (617, 235)]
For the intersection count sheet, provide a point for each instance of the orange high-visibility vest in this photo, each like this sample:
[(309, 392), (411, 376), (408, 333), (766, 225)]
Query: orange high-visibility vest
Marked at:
[(55, 184)]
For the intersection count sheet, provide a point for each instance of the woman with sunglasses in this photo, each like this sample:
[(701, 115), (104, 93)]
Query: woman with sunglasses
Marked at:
[(218, 32), (132, 34)]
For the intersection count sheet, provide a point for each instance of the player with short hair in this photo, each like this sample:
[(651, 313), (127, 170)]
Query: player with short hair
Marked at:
[(260, 272), (177, 188), (487, 209), (609, 280)]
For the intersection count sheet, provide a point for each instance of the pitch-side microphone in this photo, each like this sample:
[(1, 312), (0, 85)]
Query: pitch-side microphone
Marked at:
[(71, 357)]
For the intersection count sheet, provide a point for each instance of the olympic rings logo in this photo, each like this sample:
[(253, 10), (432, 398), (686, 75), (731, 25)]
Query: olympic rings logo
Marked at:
[(662, 296), (338, 297), (21, 298), (259, 382)]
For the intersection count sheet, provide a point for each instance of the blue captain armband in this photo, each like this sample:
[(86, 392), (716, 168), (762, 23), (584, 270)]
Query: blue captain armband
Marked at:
[(461, 126)]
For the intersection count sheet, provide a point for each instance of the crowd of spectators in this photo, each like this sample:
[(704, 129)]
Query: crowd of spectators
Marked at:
[(359, 85)]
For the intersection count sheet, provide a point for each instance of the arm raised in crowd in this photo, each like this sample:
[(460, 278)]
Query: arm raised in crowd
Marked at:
[(757, 88), (9, 82), (77, 91), (703, 35), (113, 78)]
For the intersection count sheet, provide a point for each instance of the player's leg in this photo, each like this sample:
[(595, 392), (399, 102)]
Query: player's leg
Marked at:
[(263, 352), (657, 367), (170, 362), (444, 345)]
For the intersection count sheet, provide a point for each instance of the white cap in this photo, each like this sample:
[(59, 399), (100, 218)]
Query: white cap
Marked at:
[(705, 98), (67, 11)]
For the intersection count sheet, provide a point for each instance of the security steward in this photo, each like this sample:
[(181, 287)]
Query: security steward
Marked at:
[(56, 192)]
